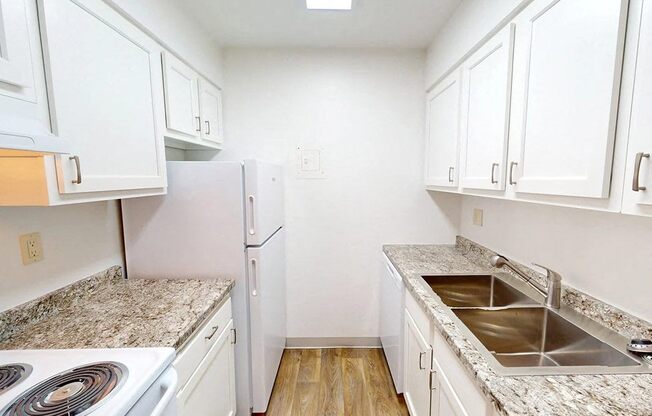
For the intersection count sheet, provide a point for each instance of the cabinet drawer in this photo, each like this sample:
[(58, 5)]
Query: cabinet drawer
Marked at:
[(460, 382), (419, 315), (191, 355)]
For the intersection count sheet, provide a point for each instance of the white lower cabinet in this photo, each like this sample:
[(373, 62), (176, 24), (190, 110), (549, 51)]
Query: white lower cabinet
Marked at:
[(206, 368), (435, 381), (418, 357)]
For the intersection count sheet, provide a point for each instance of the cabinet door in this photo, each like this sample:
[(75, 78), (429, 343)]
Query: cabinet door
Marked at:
[(445, 401), (637, 195), (486, 95), (105, 97), (442, 137), (16, 67), (211, 389), (416, 380), (566, 95), (210, 104), (181, 100)]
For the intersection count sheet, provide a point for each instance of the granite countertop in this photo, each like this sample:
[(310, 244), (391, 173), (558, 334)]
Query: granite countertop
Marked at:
[(577, 395), (108, 311)]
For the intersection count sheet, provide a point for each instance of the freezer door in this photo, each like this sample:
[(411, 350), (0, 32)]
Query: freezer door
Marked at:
[(263, 200), (266, 268)]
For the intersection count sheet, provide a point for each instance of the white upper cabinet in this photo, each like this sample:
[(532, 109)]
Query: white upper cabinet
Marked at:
[(181, 101), (443, 127), (193, 107), (637, 196), (104, 85), (16, 67), (569, 55), (486, 95), (210, 103)]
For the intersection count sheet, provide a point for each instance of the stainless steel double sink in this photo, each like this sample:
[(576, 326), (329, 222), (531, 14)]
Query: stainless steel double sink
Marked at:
[(517, 335)]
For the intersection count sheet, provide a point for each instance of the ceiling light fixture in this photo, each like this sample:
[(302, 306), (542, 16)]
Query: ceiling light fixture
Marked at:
[(329, 4)]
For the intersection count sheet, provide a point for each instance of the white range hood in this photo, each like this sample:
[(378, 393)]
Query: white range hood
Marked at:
[(29, 135)]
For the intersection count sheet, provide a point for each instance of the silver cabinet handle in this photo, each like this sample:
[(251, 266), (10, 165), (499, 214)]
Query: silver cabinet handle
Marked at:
[(450, 174), (421, 366), (252, 216), (208, 127), (235, 336), (78, 167), (213, 331), (511, 173), (254, 277), (433, 380), (198, 123), (493, 171), (637, 171)]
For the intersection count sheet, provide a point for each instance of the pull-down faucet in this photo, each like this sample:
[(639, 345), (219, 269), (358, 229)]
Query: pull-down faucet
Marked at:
[(552, 291)]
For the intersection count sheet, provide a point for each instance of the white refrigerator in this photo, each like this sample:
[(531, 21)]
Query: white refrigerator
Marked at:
[(222, 220)]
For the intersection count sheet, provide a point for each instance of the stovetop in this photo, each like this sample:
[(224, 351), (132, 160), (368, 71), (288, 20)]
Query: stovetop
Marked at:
[(77, 382)]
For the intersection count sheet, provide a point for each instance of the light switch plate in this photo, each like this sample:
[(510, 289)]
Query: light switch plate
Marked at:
[(31, 249), (310, 164), (478, 217)]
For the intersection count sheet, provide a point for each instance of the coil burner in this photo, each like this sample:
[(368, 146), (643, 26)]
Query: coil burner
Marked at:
[(12, 374), (75, 392)]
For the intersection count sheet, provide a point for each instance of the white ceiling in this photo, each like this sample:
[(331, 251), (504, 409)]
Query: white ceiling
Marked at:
[(287, 23)]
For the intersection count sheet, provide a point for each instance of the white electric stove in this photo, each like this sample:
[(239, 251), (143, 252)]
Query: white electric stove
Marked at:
[(97, 382)]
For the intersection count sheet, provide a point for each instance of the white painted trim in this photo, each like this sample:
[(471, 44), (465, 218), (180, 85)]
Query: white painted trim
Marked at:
[(332, 342)]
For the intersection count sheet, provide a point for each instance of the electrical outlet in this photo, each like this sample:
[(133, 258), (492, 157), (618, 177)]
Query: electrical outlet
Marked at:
[(31, 249), (478, 217)]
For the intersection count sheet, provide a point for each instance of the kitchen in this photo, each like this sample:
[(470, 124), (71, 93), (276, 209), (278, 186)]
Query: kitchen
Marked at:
[(295, 207)]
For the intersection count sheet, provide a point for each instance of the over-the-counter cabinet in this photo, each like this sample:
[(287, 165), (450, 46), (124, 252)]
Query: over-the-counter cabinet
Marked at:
[(563, 147), (104, 93), (435, 381), (637, 196), (193, 107), (486, 95), (206, 368), (24, 116), (443, 128), (568, 62)]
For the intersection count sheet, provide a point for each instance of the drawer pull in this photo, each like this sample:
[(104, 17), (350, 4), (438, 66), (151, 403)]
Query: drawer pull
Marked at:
[(214, 330)]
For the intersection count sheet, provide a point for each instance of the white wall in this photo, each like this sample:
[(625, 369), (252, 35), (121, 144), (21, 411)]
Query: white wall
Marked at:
[(472, 21), (178, 30), (84, 239), (77, 241), (365, 110), (606, 255)]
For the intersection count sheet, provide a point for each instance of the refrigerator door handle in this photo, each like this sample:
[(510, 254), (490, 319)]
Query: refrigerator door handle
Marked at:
[(252, 227), (254, 277)]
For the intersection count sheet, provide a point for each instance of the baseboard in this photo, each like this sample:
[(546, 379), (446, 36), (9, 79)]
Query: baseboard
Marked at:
[(333, 342)]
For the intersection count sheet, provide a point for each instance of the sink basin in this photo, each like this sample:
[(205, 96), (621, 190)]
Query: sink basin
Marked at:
[(538, 337), (472, 291)]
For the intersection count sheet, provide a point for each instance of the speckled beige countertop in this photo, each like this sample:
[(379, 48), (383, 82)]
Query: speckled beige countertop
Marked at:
[(577, 395), (107, 311)]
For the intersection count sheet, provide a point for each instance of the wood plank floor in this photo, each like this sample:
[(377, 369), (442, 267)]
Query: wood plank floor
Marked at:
[(335, 382)]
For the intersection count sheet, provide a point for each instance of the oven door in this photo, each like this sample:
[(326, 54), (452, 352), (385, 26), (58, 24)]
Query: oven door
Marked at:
[(160, 398)]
